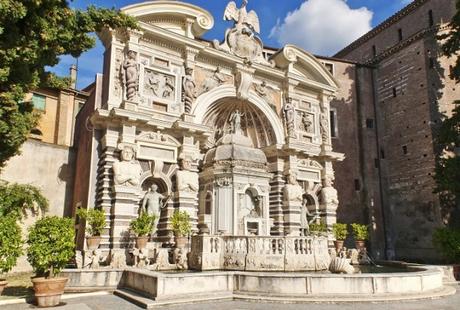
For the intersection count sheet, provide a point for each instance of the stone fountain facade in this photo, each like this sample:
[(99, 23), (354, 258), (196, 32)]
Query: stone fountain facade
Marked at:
[(237, 137)]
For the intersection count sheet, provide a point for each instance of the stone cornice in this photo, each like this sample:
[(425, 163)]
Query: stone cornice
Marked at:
[(381, 27)]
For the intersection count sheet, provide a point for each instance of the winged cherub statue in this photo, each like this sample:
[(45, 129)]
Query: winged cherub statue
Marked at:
[(247, 23)]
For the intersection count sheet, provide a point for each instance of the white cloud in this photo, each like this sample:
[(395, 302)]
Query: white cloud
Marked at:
[(323, 26)]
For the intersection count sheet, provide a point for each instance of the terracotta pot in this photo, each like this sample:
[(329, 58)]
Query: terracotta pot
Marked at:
[(141, 242), (456, 272), (93, 242), (3, 284), (48, 292), (338, 245), (181, 242), (360, 244)]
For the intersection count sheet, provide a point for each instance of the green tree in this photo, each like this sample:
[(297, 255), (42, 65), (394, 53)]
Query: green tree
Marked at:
[(447, 174), (451, 42), (33, 34)]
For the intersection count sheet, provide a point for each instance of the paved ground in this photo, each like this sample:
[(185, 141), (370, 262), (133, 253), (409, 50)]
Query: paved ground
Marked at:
[(116, 303)]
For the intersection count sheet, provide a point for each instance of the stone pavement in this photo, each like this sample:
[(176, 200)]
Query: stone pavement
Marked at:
[(115, 303)]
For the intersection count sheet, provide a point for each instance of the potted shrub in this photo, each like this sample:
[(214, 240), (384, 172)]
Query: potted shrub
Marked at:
[(142, 227), (180, 222), (318, 229), (340, 233), (10, 245), (447, 241), (51, 246), (95, 224), (361, 234)]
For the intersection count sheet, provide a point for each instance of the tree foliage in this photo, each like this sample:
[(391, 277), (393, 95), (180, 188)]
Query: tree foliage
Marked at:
[(180, 223), (447, 240), (95, 220), (16, 199), (51, 245), (143, 225), (10, 242), (33, 34), (360, 231), (451, 42)]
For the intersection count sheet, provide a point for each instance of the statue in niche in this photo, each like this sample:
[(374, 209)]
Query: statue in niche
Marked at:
[(307, 123), (235, 121), (289, 116), (187, 181), (215, 80), (293, 191), (307, 217), (328, 194), (130, 76), (189, 90), (127, 171), (324, 125), (153, 201)]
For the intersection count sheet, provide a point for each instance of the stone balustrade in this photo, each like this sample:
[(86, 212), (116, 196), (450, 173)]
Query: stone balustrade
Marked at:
[(257, 253)]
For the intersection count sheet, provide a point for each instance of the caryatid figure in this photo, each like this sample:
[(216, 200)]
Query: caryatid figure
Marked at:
[(127, 171), (289, 115), (189, 89), (153, 201)]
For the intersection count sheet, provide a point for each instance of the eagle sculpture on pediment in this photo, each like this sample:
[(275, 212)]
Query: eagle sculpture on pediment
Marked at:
[(241, 17)]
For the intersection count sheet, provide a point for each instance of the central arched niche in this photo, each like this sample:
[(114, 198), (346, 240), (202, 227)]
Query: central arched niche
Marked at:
[(254, 124)]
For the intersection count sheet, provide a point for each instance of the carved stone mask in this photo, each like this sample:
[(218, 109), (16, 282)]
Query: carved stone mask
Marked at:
[(127, 154)]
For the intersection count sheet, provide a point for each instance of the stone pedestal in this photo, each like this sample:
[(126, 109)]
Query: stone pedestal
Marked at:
[(125, 208), (206, 253)]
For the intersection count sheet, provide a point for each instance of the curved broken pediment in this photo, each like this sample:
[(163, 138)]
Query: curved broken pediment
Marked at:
[(179, 17)]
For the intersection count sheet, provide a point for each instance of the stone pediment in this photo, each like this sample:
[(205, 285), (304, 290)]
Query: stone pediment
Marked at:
[(303, 65), (179, 17)]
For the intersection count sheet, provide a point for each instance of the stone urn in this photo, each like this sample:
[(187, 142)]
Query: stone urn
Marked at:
[(141, 242), (3, 284), (181, 242), (360, 244), (338, 245), (92, 242), (48, 292)]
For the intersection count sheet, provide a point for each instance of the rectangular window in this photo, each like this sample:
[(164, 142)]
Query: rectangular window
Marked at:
[(374, 50), (329, 67), (376, 163), (394, 92), (333, 122), (370, 123), (400, 34), (357, 185), (404, 148), (382, 153), (430, 18), (39, 102)]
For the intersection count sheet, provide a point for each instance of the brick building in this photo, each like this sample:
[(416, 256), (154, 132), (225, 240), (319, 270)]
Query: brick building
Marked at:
[(395, 96)]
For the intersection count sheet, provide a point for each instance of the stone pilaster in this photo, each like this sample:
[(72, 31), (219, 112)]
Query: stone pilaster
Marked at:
[(125, 208)]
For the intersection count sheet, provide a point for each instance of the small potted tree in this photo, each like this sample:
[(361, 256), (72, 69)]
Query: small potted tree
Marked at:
[(142, 227), (340, 233), (180, 222), (318, 229), (361, 234), (10, 246), (95, 224), (51, 245)]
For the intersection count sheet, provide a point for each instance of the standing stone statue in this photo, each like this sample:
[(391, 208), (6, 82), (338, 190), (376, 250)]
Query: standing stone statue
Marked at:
[(127, 171), (130, 76), (153, 201), (293, 191), (324, 125), (307, 217), (289, 115), (235, 121), (189, 89)]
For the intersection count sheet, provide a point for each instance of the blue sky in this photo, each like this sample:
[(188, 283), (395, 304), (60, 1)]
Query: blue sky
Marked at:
[(320, 26)]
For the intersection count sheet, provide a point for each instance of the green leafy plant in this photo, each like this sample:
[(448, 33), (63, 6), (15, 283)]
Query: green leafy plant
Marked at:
[(10, 242), (180, 222), (95, 220), (51, 245), (340, 231), (18, 198), (360, 231), (143, 225), (33, 35), (447, 241), (318, 228)]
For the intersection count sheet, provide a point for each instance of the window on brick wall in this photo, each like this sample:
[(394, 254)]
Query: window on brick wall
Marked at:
[(333, 122), (404, 149), (329, 67), (394, 92), (370, 123), (400, 34), (357, 185), (430, 18), (382, 153), (374, 51)]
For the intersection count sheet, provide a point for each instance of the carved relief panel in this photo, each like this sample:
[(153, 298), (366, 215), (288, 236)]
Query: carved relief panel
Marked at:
[(307, 121)]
